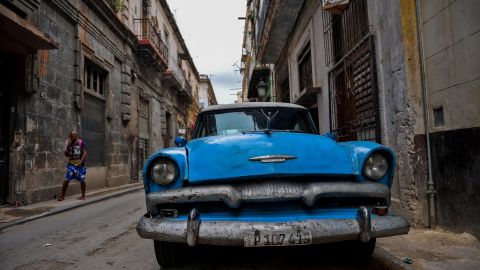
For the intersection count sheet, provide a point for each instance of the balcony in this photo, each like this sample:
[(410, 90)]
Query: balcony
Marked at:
[(174, 77), (150, 43), (275, 22)]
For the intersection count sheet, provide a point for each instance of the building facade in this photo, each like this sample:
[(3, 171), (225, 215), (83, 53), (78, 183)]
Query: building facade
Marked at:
[(206, 96), (118, 72), (401, 73)]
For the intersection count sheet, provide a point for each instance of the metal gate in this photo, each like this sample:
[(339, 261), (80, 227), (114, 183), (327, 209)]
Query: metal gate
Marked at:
[(93, 129), (352, 76)]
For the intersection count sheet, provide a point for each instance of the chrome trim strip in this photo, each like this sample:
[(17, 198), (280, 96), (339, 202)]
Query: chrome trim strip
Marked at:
[(270, 191), (231, 233), (272, 158)]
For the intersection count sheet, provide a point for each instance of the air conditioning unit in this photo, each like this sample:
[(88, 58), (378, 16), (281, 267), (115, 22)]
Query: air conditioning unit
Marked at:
[(335, 6)]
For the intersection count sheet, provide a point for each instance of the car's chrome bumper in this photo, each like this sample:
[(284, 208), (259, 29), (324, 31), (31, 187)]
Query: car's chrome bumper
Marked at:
[(234, 196), (232, 233)]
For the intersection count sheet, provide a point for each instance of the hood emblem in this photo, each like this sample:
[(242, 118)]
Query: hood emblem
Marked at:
[(272, 158)]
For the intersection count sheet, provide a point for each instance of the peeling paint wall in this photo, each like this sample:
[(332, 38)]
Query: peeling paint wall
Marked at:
[(400, 103)]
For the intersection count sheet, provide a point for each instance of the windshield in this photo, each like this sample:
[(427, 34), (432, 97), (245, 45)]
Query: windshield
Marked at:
[(252, 120)]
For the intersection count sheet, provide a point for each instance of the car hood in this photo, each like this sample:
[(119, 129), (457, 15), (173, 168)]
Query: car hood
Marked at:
[(220, 158)]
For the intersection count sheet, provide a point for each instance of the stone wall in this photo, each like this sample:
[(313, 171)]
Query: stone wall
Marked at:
[(86, 31), (50, 112)]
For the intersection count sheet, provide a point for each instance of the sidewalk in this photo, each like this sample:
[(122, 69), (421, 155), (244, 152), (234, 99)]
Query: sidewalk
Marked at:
[(434, 249), (10, 216)]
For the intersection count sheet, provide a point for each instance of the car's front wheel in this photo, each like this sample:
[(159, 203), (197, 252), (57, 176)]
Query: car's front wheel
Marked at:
[(170, 254)]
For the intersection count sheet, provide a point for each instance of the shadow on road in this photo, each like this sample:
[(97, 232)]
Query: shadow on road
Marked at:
[(331, 256)]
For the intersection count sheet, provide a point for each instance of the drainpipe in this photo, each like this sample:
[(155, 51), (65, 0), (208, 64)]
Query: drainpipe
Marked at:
[(430, 183)]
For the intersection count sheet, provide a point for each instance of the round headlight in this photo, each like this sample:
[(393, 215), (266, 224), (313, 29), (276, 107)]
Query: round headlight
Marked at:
[(163, 171), (376, 166)]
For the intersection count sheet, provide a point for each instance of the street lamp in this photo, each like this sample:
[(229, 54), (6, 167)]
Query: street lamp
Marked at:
[(262, 88)]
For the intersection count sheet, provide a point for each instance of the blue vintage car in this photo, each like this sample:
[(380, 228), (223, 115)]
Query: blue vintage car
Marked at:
[(259, 175)]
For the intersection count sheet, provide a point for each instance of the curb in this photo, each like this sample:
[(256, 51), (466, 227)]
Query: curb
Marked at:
[(70, 207)]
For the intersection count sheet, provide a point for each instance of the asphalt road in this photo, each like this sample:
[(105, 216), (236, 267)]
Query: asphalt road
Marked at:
[(103, 236)]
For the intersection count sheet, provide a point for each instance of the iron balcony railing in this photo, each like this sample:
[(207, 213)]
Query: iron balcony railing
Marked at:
[(147, 34), (188, 87), (177, 72)]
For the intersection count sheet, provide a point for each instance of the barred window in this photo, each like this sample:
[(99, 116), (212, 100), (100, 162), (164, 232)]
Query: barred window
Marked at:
[(93, 112), (94, 78)]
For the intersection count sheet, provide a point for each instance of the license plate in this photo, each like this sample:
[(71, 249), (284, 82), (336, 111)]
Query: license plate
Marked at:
[(277, 238)]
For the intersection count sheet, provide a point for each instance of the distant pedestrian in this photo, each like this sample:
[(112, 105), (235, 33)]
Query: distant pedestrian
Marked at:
[(77, 153)]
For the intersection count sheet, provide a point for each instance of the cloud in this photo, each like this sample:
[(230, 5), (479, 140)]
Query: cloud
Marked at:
[(226, 78), (213, 35), (223, 83)]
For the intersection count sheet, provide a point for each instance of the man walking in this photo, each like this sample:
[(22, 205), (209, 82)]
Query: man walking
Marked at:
[(76, 152)]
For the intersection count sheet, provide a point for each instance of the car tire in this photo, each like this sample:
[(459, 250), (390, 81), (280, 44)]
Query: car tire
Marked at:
[(170, 254), (362, 250)]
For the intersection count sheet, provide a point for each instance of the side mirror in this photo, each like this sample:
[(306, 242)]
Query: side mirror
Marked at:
[(331, 135), (180, 141)]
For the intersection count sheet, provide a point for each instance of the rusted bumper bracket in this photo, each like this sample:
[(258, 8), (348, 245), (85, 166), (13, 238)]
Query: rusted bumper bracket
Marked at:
[(232, 233)]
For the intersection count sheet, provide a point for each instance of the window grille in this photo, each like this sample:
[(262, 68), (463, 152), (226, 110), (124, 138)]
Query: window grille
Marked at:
[(94, 78), (93, 129), (352, 76)]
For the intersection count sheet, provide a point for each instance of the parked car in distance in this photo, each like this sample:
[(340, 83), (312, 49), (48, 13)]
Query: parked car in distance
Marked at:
[(259, 175)]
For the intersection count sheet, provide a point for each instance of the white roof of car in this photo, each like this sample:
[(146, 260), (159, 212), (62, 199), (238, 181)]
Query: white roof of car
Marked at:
[(250, 105)]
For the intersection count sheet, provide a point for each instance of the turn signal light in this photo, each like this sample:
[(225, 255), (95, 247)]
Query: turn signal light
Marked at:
[(380, 210)]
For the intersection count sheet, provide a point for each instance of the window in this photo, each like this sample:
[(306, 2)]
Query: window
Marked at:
[(166, 35), (305, 68), (353, 90), (94, 78), (438, 117), (143, 118), (93, 113), (251, 120)]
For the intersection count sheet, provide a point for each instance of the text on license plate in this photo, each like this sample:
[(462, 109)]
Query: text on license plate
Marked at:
[(277, 238)]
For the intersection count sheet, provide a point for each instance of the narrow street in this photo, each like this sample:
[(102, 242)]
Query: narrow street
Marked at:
[(103, 236)]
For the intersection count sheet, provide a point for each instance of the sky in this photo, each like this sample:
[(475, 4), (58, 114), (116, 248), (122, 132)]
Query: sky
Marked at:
[(214, 36)]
